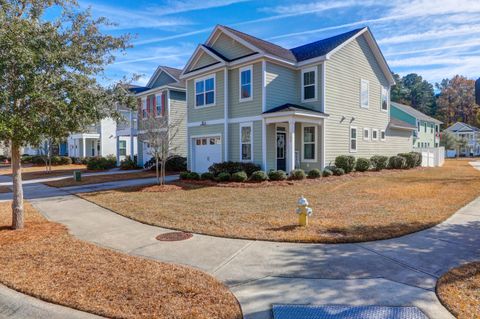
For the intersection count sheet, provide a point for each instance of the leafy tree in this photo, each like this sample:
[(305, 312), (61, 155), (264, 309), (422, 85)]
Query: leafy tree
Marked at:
[(448, 140), (456, 101), (48, 77), (413, 90)]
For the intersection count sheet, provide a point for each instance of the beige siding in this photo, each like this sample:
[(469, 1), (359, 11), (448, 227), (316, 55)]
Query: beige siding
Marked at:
[(234, 142), (307, 166), (210, 112), (178, 110), (345, 70), (271, 147), (204, 60), (163, 79), (230, 48), (245, 108)]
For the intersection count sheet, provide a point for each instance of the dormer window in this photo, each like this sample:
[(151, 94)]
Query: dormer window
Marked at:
[(309, 84)]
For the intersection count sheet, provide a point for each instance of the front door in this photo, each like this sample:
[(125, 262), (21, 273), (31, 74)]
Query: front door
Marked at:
[(281, 151)]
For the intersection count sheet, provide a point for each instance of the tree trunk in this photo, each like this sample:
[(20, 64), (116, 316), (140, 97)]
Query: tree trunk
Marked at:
[(156, 169), (17, 204)]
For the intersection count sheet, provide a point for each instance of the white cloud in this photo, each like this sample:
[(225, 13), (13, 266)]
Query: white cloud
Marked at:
[(180, 6), (432, 34), (172, 37), (441, 48)]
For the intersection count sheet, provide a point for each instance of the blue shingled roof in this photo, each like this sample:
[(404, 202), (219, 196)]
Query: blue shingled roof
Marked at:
[(321, 47), (138, 89)]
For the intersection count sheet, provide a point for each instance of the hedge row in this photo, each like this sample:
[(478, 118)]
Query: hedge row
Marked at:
[(40, 160)]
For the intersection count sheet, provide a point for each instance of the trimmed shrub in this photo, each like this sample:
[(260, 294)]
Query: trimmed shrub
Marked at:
[(79, 160), (315, 173), (326, 172), (345, 162), (277, 175), (259, 176), (128, 163), (379, 162), (239, 177), (297, 174), (339, 172), (418, 158), (184, 175), (101, 163), (362, 164), (207, 176), (194, 176), (175, 163), (223, 177), (396, 162), (410, 159), (233, 167)]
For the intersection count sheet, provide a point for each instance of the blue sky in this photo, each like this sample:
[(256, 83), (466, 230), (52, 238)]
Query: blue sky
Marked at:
[(434, 38)]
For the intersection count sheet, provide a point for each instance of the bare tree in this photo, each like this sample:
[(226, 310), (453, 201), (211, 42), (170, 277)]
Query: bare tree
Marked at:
[(160, 134)]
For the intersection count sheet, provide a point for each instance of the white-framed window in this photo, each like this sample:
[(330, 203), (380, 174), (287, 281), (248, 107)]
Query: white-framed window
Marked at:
[(246, 142), (384, 99), (245, 79), (364, 93), (383, 135), (309, 143), (122, 148), (159, 105), (366, 134), (374, 134), (205, 91), (353, 139), (309, 84), (144, 108)]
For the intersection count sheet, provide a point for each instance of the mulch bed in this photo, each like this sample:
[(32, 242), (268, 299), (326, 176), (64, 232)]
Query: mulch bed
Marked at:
[(459, 291), (44, 261)]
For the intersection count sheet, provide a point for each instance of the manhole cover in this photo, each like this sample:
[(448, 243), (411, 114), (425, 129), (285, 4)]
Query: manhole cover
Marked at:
[(174, 236)]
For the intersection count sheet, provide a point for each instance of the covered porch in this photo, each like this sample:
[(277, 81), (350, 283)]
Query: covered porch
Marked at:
[(84, 145), (294, 138)]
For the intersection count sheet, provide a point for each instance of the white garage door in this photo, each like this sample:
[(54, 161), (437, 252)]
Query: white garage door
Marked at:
[(207, 151)]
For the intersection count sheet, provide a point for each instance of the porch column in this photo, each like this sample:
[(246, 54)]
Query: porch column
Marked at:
[(132, 151), (84, 147), (118, 150), (291, 146)]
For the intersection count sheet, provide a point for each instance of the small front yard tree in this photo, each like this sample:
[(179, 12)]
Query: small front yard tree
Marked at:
[(160, 134), (48, 77)]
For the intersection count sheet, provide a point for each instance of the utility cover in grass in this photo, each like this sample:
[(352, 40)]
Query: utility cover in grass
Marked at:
[(345, 312)]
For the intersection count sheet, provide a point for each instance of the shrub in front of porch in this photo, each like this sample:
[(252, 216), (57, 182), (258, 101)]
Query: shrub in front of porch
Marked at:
[(233, 167), (362, 164), (410, 159), (297, 174), (345, 162), (337, 171), (224, 177), (314, 173), (239, 177), (277, 175), (397, 162), (101, 163), (379, 162), (259, 176), (327, 172), (207, 176)]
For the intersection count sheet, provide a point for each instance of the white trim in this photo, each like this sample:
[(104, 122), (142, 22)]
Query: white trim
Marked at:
[(167, 100), (323, 145), (242, 125), (196, 56), (362, 82), (350, 139), (315, 143), (264, 145), (291, 113), (324, 86), (368, 138), (245, 119), (264, 86), (385, 135), (159, 88), (225, 111), (319, 59), (375, 130), (229, 121), (306, 70), (157, 73), (387, 91), (242, 69), (201, 72), (204, 79), (205, 123)]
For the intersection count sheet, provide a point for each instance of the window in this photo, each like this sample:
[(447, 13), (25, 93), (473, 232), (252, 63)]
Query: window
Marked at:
[(366, 134), (353, 139), (383, 136), (418, 125), (246, 142), (144, 108), (384, 105), (309, 143), (245, 83), (425, 127), (309, 84), (205, 92), (431, 128), (122, 148), (375, 134), (364, 92), (159, 106)]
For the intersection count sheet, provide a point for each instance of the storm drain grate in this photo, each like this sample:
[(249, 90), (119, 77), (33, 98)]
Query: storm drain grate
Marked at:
[(346, 312), (174, 236)]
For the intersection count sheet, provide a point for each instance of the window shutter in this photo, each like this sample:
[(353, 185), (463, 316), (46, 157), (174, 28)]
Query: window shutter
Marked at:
[(154, 106), (139, 105), (163, 103), (148, 105)]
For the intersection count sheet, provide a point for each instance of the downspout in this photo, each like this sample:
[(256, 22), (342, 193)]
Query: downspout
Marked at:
[(324, 108), (264, 108), (225, 111)]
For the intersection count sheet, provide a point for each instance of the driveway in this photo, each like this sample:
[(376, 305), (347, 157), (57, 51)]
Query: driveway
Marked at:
[(396, 272)]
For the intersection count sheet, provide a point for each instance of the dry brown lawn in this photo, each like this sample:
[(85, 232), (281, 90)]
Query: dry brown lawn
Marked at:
[(349, 208), (459, 291), (101, 179), (36, 172), (44, 261)]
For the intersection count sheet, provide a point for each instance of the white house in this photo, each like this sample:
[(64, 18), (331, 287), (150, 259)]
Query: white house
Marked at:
[(470, 133)]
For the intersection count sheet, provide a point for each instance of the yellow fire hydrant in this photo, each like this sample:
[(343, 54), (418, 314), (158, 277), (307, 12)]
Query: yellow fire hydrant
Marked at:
[(303, 211)]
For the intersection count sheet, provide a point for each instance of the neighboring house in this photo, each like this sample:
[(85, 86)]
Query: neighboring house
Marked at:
[(126, 132), (427, 132), (468, 132), (4, 149), (96, 140), (164, 96), (253, 101), (57, 149)]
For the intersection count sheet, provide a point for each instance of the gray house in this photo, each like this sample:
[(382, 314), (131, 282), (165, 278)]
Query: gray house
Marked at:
[(164, 96), (251, 100)]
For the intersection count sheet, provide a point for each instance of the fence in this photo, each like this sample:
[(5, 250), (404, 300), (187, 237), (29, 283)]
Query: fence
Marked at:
[(433, 156)]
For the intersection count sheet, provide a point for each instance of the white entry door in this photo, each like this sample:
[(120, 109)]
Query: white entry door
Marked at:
[(207, 151)]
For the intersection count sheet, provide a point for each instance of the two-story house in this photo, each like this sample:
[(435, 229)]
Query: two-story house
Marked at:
[(163, 97), (427, 134), (251, 100), (96, 140), (470, 134)]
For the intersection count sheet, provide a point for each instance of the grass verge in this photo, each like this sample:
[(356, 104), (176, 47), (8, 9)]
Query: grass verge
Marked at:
[(459, 291), (349, 208), (36, 172), (44, 261)]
